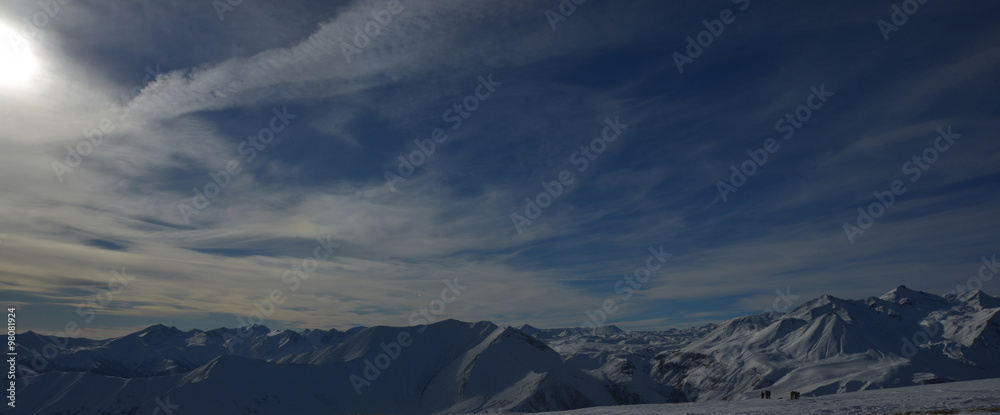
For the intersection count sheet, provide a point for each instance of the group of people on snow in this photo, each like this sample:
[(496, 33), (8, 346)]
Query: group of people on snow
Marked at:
[(766, 394)]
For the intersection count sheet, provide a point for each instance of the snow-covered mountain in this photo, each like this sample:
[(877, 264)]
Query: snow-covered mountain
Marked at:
[(622, 360), (450, 367), (829, 345), (825, 346), (160, 350)]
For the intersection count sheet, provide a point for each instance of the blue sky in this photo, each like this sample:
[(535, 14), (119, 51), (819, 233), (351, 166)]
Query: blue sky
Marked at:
[(183, 91)]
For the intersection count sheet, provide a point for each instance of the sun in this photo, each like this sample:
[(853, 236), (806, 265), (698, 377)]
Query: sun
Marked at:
[(17, 62)]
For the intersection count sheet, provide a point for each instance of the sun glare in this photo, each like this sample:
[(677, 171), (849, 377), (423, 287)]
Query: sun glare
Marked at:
[(17, 63)]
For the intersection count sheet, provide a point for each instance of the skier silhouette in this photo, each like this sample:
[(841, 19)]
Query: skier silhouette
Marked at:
[(762, 394), (767, 394)]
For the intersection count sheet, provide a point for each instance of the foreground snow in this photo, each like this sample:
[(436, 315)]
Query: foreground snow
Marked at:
[(972, 397)]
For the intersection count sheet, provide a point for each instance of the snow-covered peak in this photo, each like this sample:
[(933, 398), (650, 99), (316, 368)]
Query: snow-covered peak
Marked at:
[(830, 345), (903, 296), (736, 327), (256, 329), (157, 333), (610, 329), (529, 330), (980, 300)]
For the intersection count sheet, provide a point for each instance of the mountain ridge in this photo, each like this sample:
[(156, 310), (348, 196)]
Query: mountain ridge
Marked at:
[(825, 345)]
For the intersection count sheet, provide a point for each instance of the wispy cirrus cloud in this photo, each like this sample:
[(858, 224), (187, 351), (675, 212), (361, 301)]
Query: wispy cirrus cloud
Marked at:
[(323, 175)]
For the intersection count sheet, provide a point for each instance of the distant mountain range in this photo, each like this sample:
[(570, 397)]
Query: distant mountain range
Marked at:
[(825, 346), (829, 345)]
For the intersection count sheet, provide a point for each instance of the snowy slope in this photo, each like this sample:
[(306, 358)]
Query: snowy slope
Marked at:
[(622, 360), (829, 345), (451, 367), (959, 398)]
